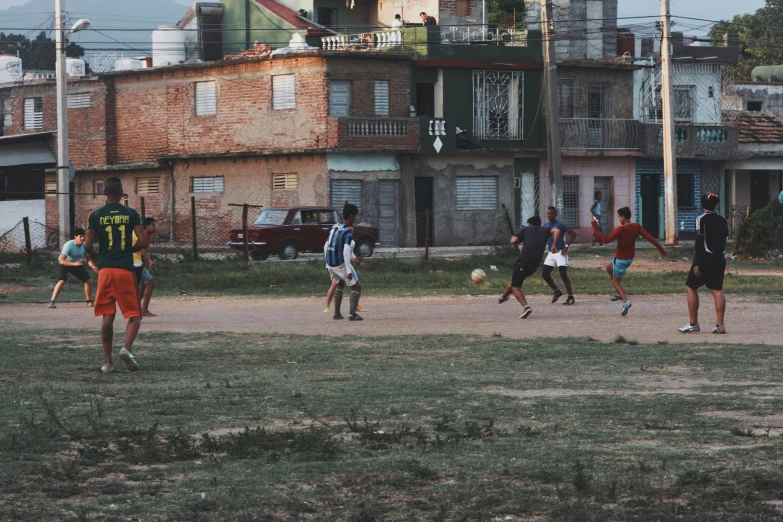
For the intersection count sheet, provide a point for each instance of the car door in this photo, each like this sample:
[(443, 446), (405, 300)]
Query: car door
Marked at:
[(309, 230), (327, 218)]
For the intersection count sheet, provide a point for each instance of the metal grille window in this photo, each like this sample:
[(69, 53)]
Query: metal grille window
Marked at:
[(529, 183), (145, 186), (339, 98), (288, 181), (497, 105), (684, 103), (206, 98), (570, 201), (79, 101), (33, 113), (566, 92), (283, 92), (381, 98), (346, 191), (477, 193), (50, 189), (206, 185)]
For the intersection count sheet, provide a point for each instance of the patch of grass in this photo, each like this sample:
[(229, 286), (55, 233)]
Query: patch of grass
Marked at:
[(569, 430)]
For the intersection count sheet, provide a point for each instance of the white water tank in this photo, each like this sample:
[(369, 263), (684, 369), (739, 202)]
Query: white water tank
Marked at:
[(74, 67), (168, 45), (10, 69), (128, 64)]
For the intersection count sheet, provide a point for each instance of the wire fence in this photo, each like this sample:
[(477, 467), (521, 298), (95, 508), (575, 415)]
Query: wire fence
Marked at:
[(27, 239)]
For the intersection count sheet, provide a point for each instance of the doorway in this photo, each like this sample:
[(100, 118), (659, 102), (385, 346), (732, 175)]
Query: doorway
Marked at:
[(423, 191), (604, 184), (759, 189), (651, 187)]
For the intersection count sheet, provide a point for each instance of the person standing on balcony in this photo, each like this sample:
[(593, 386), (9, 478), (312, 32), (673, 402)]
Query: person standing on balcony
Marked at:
[(427, 20), (595, 210), (397, 23)]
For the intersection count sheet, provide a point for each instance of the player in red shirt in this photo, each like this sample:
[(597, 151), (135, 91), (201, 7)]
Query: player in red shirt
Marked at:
[(625, 235)]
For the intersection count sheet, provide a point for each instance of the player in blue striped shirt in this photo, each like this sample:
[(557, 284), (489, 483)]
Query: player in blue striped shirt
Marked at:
[(337, 251)]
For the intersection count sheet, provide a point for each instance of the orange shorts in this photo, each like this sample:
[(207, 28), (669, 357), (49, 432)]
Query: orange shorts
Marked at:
[(117, 286)]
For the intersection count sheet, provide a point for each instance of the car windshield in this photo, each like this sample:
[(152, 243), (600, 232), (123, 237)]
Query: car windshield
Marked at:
[(271, 217)]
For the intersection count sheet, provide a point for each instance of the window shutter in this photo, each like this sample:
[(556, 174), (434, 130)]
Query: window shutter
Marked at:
[(207, 185), (33, 113), (339, 98), (288, 181), (349, 190), (206, 99), (381, 98), (478, 193), (283, 92), (79, 101), (50, 189), (145, 186)]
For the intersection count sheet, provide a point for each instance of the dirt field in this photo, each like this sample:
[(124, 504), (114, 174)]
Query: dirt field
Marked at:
[(653, 318)]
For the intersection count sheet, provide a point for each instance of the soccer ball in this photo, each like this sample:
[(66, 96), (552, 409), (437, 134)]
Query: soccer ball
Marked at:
[(478, 276)]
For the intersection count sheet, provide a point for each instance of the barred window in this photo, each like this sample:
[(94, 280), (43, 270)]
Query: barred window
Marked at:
[(145, 186), (33, 113), (79, 101), (570, 201), (477, 193), (567, 92), (498, 105), (50, 189), (289, 181), (206, 98), (206, 185), (283, 92)]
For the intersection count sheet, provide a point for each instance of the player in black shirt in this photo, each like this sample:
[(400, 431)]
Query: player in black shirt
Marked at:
[(709, 264)]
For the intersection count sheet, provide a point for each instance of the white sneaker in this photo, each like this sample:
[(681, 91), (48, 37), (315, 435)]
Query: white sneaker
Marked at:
[(129, 360), (688, 328), (107, 368)]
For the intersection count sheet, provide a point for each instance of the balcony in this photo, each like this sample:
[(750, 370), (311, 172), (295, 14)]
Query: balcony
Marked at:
[(401, 134), (599, 134), (717, 142), (473, 42)]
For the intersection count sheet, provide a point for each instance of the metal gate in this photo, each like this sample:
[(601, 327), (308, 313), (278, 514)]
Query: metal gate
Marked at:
[(346, 191), (387, 212), (530, 191)]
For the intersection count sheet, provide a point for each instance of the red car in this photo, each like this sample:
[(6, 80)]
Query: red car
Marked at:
[(288, 231)]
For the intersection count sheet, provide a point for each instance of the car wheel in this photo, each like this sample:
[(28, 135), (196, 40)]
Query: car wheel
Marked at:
[(288, 250), (365, 248), (259, 256)]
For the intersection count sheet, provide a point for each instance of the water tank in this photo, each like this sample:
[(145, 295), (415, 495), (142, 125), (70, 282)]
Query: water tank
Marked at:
[(168, 46), (128, 64), (74, 67), (10, 68)]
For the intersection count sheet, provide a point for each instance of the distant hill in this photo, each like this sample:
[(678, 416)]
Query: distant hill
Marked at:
[(106, 16)]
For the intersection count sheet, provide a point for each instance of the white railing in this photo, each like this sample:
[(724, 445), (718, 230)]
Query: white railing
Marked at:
[(481, 33), (599, 134), (387, 38), (377, 126), (331, 43), (437, 127)]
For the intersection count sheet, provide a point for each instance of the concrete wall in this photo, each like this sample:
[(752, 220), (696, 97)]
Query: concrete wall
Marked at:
[(771, 96), (11, 214), (621, 82)]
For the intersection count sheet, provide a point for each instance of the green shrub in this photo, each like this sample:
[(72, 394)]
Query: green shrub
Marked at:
[(762, 231)]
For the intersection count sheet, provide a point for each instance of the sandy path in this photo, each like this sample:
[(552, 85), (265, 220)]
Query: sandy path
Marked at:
[(652, 318)]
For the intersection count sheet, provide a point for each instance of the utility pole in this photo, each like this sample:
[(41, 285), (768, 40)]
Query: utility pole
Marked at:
[(63, 181), (669, 159), (552, 101)]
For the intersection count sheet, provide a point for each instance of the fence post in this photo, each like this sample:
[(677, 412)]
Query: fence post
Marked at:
[(143, 211), (427, 235), (27, 243), (244, 232), (193, 225)]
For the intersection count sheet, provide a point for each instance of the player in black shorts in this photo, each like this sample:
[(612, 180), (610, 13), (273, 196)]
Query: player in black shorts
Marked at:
[(709, 264), (533, 238), (71, 262)]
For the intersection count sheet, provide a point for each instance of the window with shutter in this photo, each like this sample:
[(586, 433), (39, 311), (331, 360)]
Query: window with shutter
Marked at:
[(206, 185), (50, 189), (283, 92), (381, 98), (79, 101), (346, 190), (145, 186), (33, 113), (339, 98), (477, 193), (289, 181), (206, 99)]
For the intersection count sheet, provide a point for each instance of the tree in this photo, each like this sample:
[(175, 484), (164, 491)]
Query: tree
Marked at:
[(502, 12), (38, 53), (761, 38)]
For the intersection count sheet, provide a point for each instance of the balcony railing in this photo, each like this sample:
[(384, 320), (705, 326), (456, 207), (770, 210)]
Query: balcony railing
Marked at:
[(599, 134), (383, 127), (463, 34), (702, 134)]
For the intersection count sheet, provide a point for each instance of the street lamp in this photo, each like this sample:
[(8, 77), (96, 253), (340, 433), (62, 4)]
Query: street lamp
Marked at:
[(63, 165)]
